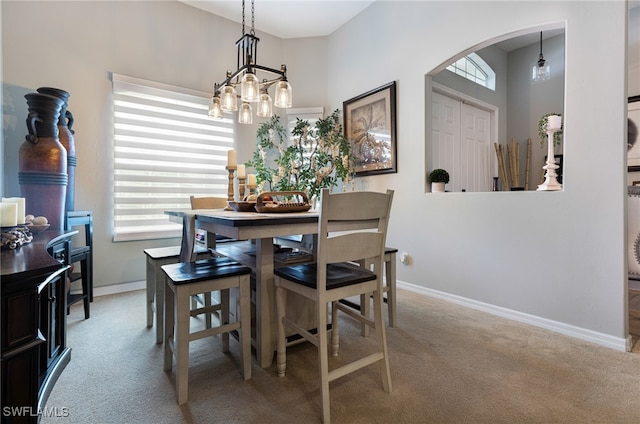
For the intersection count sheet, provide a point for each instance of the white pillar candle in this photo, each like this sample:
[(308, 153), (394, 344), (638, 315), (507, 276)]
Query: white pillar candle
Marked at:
[(251, 181), (231, 158), (8, 214), (242, 171), (20, 207), (554, 122)]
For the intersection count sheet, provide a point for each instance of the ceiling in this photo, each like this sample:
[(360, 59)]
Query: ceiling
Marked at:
[(315, 18), (288, 18)]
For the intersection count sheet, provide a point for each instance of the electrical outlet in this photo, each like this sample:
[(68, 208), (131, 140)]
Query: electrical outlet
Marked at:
[(404, 258)]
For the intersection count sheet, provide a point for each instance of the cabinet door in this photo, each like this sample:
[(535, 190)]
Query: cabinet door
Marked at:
[(52, 319)]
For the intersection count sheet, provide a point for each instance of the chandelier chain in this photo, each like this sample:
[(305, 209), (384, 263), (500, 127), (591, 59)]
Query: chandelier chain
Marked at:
[(253, 14)]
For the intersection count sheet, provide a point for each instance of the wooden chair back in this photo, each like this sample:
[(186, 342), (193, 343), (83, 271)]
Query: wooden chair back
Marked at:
[(362, 219), (208, 202)]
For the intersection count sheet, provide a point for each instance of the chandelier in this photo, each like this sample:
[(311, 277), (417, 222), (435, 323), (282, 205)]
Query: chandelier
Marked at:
[(541, 71), (225, 94)]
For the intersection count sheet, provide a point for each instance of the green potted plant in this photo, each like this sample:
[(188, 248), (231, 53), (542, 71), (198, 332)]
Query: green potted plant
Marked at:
[(438, 178), (542, 130)]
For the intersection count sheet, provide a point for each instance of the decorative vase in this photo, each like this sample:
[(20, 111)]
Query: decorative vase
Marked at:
[(554, 124), (437, 187), (42, 161), (65, 135)]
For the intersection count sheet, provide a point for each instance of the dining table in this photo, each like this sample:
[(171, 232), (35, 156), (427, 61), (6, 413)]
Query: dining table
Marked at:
[(261, 229)]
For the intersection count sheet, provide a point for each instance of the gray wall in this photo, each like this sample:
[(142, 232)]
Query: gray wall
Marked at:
[(75, 45), (554, 259)]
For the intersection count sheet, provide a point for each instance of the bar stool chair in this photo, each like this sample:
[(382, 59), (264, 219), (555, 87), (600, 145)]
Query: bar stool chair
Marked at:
[(156, 257), (82, 255), (188, 278), (389, 288), (360, 220)]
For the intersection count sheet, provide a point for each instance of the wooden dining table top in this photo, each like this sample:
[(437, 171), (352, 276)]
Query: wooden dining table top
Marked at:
[(242, 219)]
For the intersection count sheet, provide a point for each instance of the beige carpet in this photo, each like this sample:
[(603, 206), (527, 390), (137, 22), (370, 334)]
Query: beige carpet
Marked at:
[(450, 364)]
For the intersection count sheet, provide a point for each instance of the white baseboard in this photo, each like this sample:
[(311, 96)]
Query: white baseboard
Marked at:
[(119, 288), (617, 343)]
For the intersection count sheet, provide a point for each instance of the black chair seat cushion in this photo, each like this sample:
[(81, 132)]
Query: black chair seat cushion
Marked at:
[(206, 269), (338, 275)]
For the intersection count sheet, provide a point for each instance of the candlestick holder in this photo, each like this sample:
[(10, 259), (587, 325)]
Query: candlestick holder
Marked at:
[(252, 189), (230, 191), (550, 177), (241, 188)]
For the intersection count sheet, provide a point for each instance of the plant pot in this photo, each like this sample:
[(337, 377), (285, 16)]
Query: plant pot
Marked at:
[(437, 187)]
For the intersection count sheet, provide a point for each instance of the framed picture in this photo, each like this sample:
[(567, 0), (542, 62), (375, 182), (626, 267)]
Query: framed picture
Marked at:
[(370, 127), (633, 148)]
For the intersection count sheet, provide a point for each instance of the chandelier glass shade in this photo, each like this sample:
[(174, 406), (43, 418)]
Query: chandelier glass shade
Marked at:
[(283, 94), (265, 105), (541, 71), (245, 116), (229, 98), (252, 89)]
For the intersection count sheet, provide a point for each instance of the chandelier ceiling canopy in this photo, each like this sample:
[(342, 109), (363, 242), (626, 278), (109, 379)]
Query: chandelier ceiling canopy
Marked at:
[(252, 90)]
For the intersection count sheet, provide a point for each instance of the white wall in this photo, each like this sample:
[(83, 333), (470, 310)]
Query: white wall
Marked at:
[(558, 256), (74, 46)]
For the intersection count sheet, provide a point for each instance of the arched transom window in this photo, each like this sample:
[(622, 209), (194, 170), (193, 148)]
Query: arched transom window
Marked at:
[(474, 68)]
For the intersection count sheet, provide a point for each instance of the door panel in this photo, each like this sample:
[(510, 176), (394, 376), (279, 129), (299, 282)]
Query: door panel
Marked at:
[(461, 135)]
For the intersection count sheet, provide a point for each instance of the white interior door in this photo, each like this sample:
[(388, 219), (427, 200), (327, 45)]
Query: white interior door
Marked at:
[(461, 143), (475, 136), (445, 136)]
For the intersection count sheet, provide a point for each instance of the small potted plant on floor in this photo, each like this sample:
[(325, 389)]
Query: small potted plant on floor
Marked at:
[(438, 178)]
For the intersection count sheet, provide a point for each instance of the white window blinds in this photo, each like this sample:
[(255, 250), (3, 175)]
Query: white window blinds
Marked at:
[(166, 148)]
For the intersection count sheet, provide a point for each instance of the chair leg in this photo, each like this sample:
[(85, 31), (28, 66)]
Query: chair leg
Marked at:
[(381, 339), (365, 311), (161, 288), (169, 318), (182, 331), (245, 324), (335, 329), (151, 291), (84, 269), (207, 304), (390, 276), (323, 357), (281, 348), (224, 316)]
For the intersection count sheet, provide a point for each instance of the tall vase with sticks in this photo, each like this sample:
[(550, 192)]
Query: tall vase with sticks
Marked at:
[(554, 124)]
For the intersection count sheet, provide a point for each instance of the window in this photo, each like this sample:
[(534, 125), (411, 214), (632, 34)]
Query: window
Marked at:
[(474, 68), (309, 114), (166, 148)]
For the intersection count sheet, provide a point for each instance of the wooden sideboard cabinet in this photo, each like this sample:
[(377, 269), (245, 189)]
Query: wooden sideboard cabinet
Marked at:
[(33, 324)]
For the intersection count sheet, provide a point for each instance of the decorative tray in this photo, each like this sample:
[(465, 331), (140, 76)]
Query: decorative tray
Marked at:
[(243, 206), (37, 228), (282, 202)]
